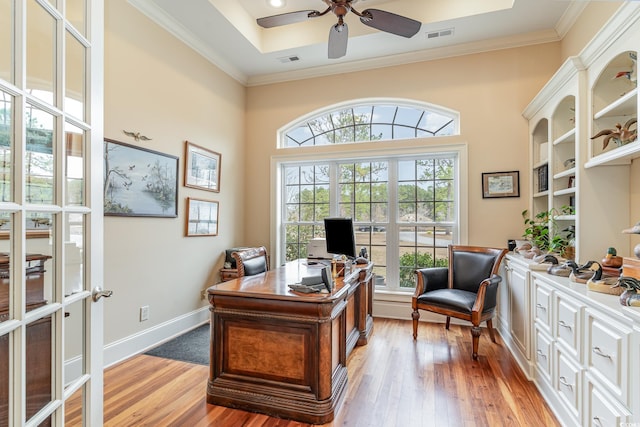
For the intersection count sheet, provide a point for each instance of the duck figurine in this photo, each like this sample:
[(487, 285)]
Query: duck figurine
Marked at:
[(580, 274), (599, 278), (556, 268)]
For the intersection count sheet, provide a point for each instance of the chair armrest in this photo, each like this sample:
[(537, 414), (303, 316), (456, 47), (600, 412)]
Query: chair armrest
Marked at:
[(429, 279), (487, 293)]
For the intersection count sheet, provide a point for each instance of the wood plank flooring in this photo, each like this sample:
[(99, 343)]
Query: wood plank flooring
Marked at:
[(393, 381)]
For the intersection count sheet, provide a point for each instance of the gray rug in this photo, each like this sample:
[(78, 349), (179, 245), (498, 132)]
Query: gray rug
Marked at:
[(192, 347)]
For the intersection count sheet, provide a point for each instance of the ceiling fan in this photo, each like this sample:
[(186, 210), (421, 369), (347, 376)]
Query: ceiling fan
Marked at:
[(339, 33)]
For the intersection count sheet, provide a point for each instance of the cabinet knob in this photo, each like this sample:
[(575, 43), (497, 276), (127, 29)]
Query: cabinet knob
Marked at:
[(564, 325), (541, 307), (541, 354), (564, 382)]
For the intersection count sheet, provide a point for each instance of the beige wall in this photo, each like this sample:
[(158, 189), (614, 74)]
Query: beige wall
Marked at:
[(592, 18), (157, 86), (490, 90)]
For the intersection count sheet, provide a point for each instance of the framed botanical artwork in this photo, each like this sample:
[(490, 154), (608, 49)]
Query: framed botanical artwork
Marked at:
[(201, 168), (139, 182), (202, 217), (500, 184)]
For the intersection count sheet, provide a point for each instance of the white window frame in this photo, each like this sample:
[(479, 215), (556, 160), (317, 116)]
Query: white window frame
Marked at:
[(423, 146)]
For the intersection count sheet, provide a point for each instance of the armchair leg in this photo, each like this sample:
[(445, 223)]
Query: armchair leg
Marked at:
[(475, 334), (447, 323), (490, 327), (415, 316)]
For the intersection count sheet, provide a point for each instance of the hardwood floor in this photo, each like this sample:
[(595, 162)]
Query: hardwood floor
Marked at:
[(393, 381)]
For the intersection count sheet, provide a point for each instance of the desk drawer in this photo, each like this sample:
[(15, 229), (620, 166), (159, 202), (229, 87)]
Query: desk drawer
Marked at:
[(567, 325), (542, 352), (542, 305)]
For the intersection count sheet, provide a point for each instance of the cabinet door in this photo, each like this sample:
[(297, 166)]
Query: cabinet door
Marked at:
[(568, 385), (542, 305), (542, 353), (519, 322), (568, 325), (607, 353)]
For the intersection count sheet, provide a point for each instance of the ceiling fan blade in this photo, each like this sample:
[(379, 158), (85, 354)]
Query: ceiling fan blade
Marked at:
[(390, 22), (287, 18), (338, 37)]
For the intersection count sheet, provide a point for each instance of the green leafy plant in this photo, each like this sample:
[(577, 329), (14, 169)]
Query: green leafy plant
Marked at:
[(543, 230)]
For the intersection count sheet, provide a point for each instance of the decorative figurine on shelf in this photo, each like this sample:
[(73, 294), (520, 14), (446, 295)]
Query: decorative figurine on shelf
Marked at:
[(612, 259), (631, 74), (621, 135), (555, 268), (631, 294), (580, 274), (601, 282), (570, 163), (635, 229)]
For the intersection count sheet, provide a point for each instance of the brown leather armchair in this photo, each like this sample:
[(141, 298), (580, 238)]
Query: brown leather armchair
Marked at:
[(251, 261), (467, 289)]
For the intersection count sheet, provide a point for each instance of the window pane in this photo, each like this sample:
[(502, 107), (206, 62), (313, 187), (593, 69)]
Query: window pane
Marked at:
[(74, 255), (6, 146), (6, 40), (75, 10), (74, 165), (408, 116), (5, 276), (41, 27), (39, 157), (74, 77), (384, 114)]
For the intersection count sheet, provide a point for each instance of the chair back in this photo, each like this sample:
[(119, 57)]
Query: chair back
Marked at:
[(251, 261), (470, 265)]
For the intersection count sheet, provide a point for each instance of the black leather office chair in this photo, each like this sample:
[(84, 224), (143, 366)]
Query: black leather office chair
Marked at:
[(251, 261), (467, 289)]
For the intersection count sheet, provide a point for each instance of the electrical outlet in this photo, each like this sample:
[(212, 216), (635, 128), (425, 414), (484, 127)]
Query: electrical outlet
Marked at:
[(144, 313)]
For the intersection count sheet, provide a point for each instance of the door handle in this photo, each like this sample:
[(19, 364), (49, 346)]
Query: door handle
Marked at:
[(98, 293)]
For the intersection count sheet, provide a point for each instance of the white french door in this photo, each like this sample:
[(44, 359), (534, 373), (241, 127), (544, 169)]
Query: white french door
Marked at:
[(51, 132)]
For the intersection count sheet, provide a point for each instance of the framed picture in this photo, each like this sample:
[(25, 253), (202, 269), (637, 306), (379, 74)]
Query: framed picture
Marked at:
[(202, 217), (572, 181), (543, 178), (201, 168), (139, 182), (500, 184)]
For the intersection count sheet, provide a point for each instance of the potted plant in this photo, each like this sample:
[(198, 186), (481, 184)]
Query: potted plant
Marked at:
[(543, 231)]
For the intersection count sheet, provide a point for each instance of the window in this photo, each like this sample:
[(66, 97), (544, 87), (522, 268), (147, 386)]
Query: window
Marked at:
[(370, 122), (405, 206)]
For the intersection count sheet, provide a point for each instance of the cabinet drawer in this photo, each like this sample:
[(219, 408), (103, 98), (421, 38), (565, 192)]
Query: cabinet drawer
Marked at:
[(607, 353), (568, 382), (542, 305), (542, 353), (600, 409), (567, 325)]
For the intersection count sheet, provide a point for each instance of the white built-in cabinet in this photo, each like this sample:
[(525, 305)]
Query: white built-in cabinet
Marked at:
[(581, 348)]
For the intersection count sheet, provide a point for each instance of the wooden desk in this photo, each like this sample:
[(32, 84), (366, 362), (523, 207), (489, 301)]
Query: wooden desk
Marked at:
[(284, 353)]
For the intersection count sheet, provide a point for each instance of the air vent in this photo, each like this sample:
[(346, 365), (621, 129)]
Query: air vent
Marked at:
[(286, 59), (440, 33)]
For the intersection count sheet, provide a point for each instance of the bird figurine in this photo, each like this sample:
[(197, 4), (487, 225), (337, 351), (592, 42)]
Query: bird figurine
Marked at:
[(621, 135), (556, 268), (599, 277), (136, 136), (630, 74), (630, 291), (580, 274)]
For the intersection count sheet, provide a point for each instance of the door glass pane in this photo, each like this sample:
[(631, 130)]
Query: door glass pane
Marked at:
[(4, 380), (6, 40), (41, 28), (5, 271), (39, 157), (75, 10), (74, 343), (40, 262), (73, 252), (6, 146), (74, 165), (38, 365), (74, 77)]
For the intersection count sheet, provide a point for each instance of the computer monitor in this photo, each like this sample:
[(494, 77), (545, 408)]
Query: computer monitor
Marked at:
[(340, 236)]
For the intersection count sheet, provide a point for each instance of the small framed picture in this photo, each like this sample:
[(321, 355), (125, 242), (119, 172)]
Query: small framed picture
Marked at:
[(500, 184), (202, 217), (572, 182), (202, 168)]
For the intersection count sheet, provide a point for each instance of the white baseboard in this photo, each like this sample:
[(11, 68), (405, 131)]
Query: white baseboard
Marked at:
[(142, 341)]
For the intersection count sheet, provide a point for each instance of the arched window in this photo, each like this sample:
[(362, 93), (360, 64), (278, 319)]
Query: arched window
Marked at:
[(367, 121), (404, 201)]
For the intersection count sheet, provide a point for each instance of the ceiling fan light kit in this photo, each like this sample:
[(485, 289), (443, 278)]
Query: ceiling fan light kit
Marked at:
[(339, 33)]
